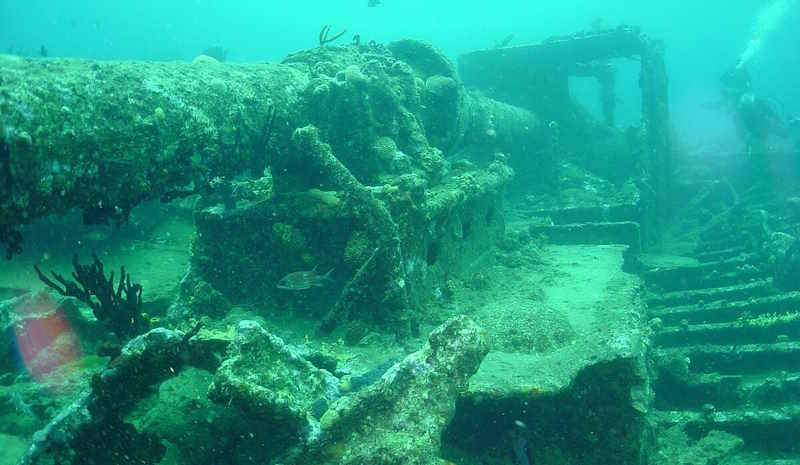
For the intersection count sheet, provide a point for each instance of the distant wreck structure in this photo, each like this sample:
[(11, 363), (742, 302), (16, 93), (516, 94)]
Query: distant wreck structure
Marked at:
[(536, 77)]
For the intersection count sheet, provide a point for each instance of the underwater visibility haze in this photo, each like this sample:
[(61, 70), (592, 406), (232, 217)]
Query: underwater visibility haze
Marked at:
[(399, 232)]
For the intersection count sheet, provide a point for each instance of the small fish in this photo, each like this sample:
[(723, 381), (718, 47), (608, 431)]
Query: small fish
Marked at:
[(355, 383), (98, 234), (302, 280), (372, 3)]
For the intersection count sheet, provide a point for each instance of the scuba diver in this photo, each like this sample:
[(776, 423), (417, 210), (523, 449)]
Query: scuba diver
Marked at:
[(756, 119)]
